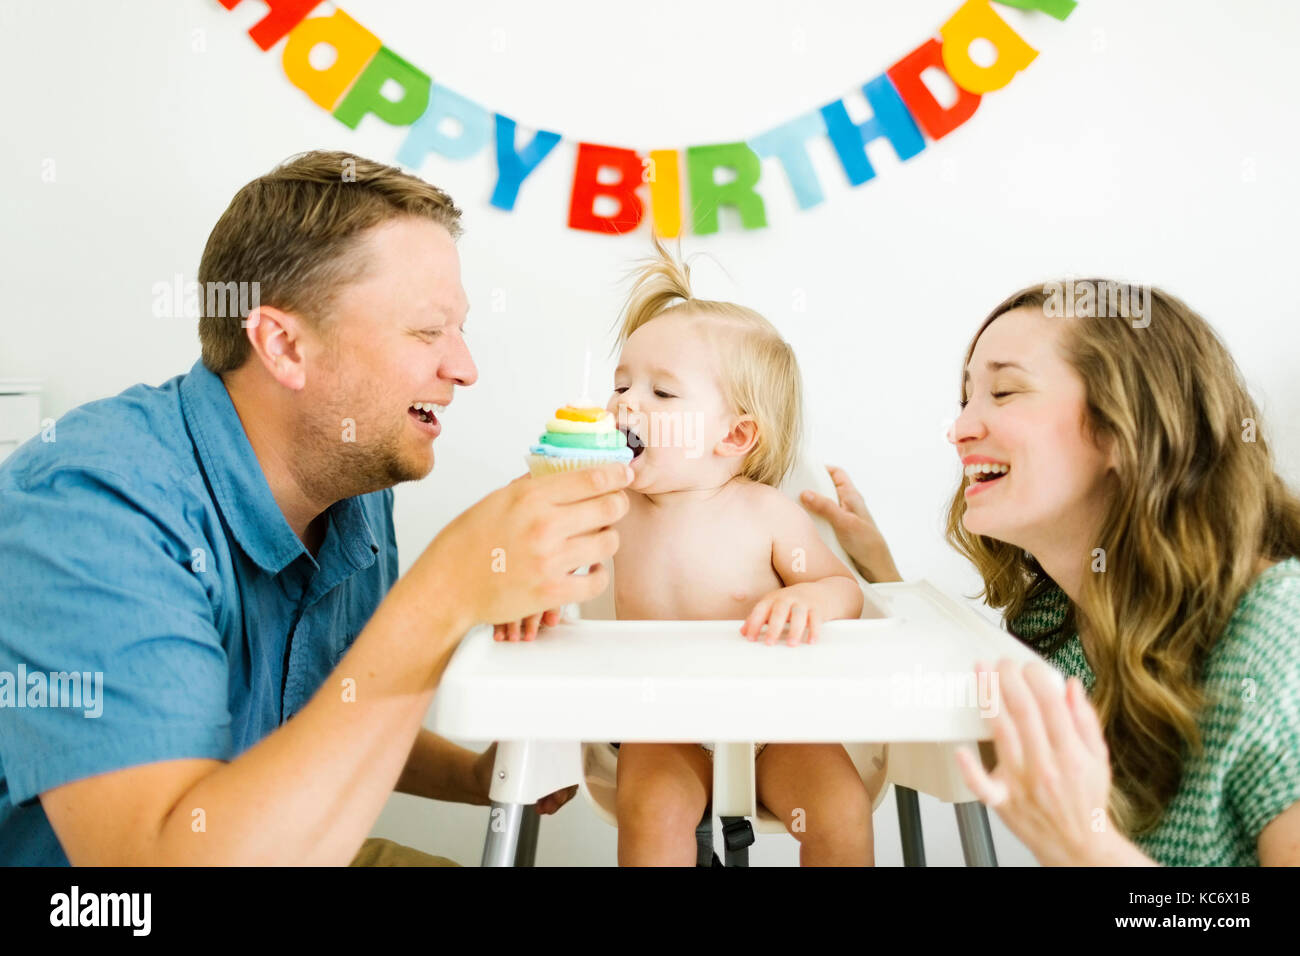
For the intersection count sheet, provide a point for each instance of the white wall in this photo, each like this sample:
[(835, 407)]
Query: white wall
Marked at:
[(1154, 141)]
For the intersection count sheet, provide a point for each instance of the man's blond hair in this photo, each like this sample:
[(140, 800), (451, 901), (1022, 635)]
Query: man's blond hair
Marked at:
[(295, 232)]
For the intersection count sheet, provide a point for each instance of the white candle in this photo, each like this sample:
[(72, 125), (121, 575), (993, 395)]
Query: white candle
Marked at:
[(586, 380)]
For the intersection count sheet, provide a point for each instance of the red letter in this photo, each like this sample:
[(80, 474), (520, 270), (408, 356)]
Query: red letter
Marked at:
[(284, 16), (591, 160), (936, 120)]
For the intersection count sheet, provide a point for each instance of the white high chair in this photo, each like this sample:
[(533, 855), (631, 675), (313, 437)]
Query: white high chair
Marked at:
[(596, 679), (734, 799)]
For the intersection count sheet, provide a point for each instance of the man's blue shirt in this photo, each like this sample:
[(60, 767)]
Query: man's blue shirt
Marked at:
[(141, 549)]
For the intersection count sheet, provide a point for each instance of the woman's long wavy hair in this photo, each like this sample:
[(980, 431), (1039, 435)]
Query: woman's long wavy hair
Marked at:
[(1196, 502)]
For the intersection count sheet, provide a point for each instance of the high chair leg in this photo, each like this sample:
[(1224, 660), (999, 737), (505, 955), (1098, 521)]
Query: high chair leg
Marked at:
[(704, 839), (502, 844), (909, 826), (526, 848), (976, 837)]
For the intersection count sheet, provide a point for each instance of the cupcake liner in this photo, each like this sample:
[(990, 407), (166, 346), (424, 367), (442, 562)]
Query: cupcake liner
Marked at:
[(539, 465)]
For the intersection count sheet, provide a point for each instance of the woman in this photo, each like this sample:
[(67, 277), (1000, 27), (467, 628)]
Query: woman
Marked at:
[(1124, 512)]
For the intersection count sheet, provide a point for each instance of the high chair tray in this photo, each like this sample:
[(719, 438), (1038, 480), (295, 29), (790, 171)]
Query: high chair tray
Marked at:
[(905, 676)]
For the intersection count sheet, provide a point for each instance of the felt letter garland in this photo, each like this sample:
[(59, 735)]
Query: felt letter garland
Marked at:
[(366, 95), (513, 166), (586, 188), (707, 194), (936, 120), (786, 143), (891, 120), (282, 16), (665, 192), (473, 124), (904, 109), (975, 20), (354, 47)]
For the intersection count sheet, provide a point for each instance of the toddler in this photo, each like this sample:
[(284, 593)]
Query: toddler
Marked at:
[(709, 396)]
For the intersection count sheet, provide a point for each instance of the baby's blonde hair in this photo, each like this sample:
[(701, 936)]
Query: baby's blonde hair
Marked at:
[(760, 376)]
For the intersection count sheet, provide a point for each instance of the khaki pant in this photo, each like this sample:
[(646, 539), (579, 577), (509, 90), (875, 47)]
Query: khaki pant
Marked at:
[(378, 852)]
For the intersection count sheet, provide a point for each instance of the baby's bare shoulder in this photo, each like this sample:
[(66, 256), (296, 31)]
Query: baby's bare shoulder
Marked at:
[(773, 507)]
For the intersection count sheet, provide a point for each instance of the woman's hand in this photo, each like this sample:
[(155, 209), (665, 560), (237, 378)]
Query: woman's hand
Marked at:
[(1052, 780), (547, 804), (853, 525)]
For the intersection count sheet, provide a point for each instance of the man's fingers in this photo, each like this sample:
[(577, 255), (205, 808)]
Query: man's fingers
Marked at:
[(592, 514), (588, 549), (512, 631), (580, 588), (568, 487), (553, 801)]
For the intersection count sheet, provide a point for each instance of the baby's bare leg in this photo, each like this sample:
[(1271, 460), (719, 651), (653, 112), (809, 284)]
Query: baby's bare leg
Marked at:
[(662, 792), (815, 790)]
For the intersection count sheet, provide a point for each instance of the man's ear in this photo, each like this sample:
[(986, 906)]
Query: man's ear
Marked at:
[(276, 338), (740, 440)]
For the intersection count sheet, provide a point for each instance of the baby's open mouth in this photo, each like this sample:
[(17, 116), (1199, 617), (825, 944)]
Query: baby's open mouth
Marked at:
[(633, 441), (982, 474)]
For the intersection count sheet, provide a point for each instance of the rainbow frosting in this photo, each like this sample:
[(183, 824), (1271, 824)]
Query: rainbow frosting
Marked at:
[(583, 433)]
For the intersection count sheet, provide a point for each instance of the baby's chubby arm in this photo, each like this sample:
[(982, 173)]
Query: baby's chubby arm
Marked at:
[(818, 585)]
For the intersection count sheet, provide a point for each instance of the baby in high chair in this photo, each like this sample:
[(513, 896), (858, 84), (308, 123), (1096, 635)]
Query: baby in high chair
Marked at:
[(709, 397)]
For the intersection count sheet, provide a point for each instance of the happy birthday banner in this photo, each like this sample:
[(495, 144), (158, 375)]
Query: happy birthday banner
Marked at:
[(904, 112)]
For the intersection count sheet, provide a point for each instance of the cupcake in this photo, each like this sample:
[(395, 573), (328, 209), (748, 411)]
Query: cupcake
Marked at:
[(578, 438)]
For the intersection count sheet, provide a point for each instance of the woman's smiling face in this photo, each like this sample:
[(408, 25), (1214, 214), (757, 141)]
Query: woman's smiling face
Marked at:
[(1033, 474)]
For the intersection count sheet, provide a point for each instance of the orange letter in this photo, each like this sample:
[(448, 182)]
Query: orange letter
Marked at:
[(353, 45), (975, 20)]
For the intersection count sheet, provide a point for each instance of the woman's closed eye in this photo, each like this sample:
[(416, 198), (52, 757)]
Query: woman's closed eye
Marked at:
[(964, 402)]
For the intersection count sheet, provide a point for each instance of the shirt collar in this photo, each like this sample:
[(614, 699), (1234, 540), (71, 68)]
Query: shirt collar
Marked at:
[(240, 488)]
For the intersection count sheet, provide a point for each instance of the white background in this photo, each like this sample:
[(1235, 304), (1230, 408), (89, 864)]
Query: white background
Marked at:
[(1153, 141)]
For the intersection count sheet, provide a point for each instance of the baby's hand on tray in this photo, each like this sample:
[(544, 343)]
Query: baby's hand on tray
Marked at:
[(792, 605)]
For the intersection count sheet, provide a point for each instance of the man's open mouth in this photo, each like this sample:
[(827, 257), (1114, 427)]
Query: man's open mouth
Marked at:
[(633, 441), (425, 411), (985, 473)]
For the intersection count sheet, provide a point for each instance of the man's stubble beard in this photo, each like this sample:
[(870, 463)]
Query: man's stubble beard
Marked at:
[(329, 468)]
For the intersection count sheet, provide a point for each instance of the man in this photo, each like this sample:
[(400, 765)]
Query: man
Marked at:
[(215, 557)]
